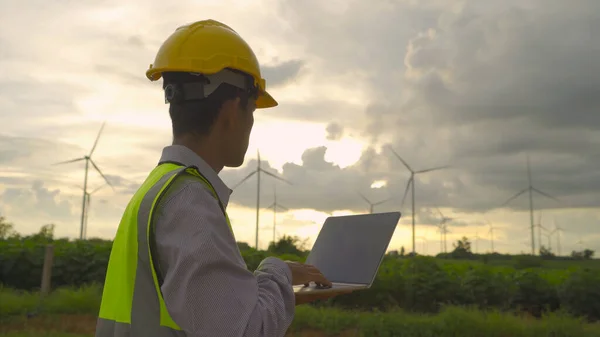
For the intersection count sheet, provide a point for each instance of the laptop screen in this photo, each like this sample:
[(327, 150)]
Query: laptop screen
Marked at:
[(349, 248)]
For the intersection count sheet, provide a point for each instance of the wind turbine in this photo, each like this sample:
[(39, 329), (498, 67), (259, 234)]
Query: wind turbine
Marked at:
[(530, 189), (549, 237), (371, 204), (442, 228), (579, 242), (258, 170), (411, 183), (557, 231), (491, 232), (87, 207), (540, 228), (88, 161), (476, 242), (424, 243), (276, 205), (445, 231)]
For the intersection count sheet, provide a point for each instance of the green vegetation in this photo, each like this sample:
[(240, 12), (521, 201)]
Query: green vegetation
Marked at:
[(424, 296), (59, 308)]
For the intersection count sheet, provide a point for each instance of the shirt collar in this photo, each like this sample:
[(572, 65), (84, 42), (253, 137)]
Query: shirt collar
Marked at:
[(185, 156)]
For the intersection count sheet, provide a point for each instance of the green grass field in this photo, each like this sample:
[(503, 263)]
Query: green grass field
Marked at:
[(71, 313)]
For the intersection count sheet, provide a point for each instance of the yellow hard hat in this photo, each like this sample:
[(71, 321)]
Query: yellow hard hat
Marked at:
[(208, 47)]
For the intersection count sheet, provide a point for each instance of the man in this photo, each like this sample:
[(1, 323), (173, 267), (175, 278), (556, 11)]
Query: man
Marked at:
[(175, 268)]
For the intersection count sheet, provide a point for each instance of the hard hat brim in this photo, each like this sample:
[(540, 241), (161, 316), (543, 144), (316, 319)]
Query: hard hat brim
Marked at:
[(265, 100)]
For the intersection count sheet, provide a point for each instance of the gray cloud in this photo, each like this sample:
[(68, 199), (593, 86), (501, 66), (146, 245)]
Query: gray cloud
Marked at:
[(282, 73), (334, 131), (481, 84), (473, 84), (37, 201), (322, 111)]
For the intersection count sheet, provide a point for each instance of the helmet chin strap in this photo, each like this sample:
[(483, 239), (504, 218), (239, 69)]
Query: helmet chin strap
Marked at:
[(206, 85)]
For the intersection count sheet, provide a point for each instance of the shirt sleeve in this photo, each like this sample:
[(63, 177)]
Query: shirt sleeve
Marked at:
[(207, 287)]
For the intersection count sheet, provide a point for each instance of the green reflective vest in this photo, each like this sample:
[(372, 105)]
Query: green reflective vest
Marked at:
[(132, 303)]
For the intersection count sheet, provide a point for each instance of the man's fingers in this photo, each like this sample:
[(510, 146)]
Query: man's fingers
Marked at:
[(317, 277)]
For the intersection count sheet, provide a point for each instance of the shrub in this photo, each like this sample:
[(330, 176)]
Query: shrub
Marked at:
[(580, 294)]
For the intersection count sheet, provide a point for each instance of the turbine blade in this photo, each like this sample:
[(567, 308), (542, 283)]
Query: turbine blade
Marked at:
[(514, 197), (97, 138), (545, 194), (271, 206), (283, 208), (274, 176), (247, 177), (410, 181), (383, 201), (432, 169), (364, 198), (96, 189), (258, 157), (442, 215), (102, 174), (402, 160), (70, 161)]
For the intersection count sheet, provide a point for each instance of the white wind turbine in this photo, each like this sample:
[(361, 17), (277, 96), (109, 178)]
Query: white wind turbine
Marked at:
[(424, 244), (476, 242), (491, 232), (373, 204), (557, 230), (275, 205), (580, 242), (88, 161), (540, 228), (530, 189), (411, 183), (443, 229), (258, 170), (87, 207)]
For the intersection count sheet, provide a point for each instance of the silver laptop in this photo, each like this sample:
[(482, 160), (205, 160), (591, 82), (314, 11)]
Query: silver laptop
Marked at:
[(349, 250)]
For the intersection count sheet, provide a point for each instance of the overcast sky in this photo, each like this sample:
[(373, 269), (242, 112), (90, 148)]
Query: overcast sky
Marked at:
[(476, 85)]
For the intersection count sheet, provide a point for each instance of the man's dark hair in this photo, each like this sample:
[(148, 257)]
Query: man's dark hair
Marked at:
[(198, 117)]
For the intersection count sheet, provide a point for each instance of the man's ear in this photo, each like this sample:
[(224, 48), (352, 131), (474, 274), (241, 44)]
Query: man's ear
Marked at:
[(230, 111)]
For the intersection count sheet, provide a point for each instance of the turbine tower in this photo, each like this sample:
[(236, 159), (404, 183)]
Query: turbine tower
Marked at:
[(257, 171), (371, 204), (423, 244), (557, 230), (411, 183), (88, 161), (442, 228), (275, 205), (87, 207), (540, 233), (491, 232), (530, 189)]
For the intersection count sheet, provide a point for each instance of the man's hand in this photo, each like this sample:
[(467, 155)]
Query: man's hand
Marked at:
[(307, 297), (306, 273)]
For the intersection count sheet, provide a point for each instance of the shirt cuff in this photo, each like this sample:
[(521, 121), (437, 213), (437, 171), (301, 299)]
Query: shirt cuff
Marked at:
[(275, 265)]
